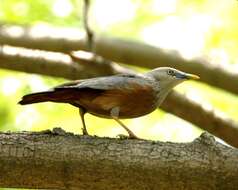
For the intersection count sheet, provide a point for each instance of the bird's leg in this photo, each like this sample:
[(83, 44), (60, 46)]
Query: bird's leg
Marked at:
[(115, 115), (81, 113), (131, 134)]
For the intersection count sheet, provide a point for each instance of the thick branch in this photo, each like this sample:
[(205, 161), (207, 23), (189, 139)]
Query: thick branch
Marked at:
[(124, 51), (52, 161), (175, 103)]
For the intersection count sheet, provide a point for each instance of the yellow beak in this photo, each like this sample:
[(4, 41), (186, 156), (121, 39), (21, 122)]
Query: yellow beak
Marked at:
[(191, 76)]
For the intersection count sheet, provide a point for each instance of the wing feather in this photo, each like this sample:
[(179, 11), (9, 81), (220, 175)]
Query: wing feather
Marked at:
[(105, 83)]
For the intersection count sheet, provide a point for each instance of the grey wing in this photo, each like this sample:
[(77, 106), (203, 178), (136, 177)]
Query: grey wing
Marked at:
[(106, 83), (68, 84)]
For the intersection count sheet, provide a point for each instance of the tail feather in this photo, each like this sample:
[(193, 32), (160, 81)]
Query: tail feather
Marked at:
[(36, 98), (60, 95)]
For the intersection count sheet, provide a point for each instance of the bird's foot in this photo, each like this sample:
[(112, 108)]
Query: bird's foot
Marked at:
[(85, 132), (123, 137)]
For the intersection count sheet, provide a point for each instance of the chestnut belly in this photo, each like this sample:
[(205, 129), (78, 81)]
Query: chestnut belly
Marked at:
[(131, 109), (124, 113), (132, 103)]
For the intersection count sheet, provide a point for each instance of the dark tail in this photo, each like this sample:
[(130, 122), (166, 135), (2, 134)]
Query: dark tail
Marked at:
[(36, 98), (58, 95)]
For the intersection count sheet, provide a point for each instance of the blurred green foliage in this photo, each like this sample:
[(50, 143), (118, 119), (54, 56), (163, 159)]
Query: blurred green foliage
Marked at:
[(37, 11), (209, 25)]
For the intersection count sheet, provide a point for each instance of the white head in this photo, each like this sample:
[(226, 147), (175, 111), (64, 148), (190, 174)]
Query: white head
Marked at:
[(168, 78)]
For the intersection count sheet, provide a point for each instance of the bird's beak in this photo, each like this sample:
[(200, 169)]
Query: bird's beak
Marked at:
[(186, 76), (191, 76)]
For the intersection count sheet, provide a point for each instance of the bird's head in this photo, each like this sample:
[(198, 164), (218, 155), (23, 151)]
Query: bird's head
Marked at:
[(170, 77)]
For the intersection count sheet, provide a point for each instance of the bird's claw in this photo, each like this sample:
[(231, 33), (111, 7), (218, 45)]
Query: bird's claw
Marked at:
[(85, 132), (124, 137)]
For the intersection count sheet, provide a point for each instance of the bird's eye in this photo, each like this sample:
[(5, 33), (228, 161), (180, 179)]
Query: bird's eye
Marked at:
[(170, 72)]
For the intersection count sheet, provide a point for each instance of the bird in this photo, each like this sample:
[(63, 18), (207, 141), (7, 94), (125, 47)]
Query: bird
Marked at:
[(121, 96)]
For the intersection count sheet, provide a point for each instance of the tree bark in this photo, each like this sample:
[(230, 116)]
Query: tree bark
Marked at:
[(118, 50), (59, 160)]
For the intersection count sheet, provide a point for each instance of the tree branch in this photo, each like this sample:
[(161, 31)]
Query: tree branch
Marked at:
[(56, 64), (89, 31), (208, 120), (124, 51), (59, 160), (176, 104)]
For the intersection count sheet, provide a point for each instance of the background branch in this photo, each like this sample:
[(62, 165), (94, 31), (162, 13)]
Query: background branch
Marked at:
[(56, 64), (59, 160), (124, 51), (89, 31), (218, 125)]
